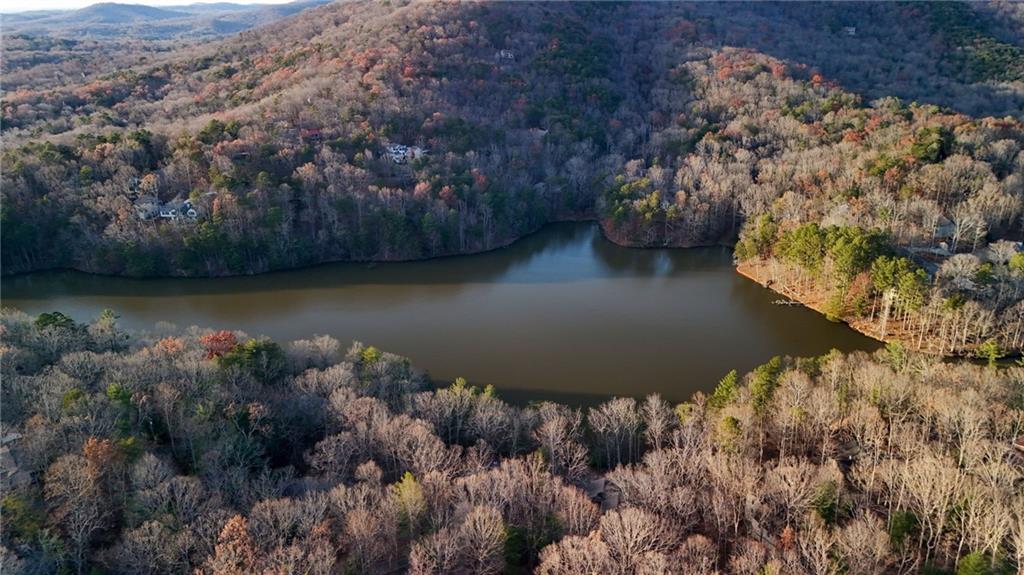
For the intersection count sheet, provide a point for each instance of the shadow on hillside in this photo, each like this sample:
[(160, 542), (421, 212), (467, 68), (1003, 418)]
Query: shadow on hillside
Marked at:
[(873, 49)]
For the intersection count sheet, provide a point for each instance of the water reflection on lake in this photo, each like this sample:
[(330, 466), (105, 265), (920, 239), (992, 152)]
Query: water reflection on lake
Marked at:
[(563, 314)]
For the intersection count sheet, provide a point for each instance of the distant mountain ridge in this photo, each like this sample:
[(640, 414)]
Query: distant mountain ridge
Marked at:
[(117, 13), (116, 19)]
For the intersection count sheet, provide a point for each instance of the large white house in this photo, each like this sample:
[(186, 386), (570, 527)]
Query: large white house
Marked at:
[(174, 210)]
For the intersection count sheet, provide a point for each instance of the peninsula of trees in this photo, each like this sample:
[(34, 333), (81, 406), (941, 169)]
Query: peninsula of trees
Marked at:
[(214, 453)]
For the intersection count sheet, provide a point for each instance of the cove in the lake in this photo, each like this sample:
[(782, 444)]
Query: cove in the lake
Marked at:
[(562, 314)]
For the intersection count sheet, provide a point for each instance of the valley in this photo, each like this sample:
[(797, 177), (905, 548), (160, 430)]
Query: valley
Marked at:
[(630, 288)]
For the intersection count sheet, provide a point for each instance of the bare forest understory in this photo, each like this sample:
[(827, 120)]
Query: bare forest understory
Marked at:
[(212, 453)]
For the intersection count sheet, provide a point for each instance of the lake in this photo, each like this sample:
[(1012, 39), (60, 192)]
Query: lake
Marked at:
[(562, 314)]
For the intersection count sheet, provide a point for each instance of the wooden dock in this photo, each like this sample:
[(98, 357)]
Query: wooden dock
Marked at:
[(786, 302)]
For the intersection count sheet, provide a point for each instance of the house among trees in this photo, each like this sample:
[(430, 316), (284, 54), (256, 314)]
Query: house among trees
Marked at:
[(850, 30), (604, 492), (401, 154), (11, 475), (311, 135), (174, 210), (945, 229), (147, 207), (504, 54)]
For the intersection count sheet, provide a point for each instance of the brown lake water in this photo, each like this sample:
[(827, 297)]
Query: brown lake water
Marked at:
[(561, 314)]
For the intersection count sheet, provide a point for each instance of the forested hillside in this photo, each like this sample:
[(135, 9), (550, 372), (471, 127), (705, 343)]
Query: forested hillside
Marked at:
[(212, 452), (386, 131)]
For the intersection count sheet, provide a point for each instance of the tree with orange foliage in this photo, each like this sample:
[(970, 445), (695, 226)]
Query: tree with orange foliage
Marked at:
[(74, 489), (170, 345), (99, 455), (235, 553)]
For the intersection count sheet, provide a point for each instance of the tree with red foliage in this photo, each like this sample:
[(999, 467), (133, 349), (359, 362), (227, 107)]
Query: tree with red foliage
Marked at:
[(218, 343)]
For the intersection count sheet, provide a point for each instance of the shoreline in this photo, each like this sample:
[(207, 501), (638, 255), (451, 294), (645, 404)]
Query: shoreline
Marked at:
[(753, 272), (502, 245), (748, 271)]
